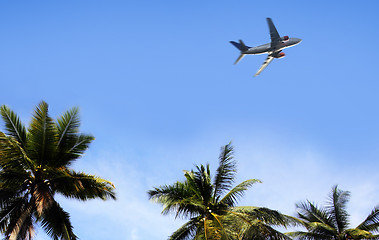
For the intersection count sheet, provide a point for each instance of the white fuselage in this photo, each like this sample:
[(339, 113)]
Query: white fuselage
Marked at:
[(268, 48)]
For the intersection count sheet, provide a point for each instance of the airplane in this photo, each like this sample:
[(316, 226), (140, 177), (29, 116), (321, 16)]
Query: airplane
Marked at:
[(273, 49)]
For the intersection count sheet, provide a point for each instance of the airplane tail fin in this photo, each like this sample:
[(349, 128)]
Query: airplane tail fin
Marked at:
[(242, 47)]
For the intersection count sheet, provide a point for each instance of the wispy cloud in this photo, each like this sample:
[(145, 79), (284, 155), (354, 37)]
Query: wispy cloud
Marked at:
[(132, 215)]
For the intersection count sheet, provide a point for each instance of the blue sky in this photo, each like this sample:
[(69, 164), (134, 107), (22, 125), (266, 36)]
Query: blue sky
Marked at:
[(156, 86)]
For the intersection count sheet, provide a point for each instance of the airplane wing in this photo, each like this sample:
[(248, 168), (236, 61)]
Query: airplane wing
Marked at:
[(264, 65), (275, 37)]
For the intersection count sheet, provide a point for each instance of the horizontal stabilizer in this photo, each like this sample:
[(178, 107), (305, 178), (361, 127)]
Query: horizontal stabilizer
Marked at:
[(239, 58)]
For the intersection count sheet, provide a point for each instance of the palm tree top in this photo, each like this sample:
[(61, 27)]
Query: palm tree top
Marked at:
[(210, 194), (35, 165), (210, 204), (332, 220)]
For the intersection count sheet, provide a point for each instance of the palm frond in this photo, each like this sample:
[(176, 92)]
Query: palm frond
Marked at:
[(13, 125), (186, 231), (191, 183), (231, 198), (13, 183), (337, 208), (371, 223), (27, 229), (315, 219), (81, 186), (56, 222), (7, 197), (18, 220), (67, 125), (177, 198), (200, 182), (67, 133), (12, 155), (75, 147), (225, 172), (266, 215), (8, 209), (42, 140), (71, 145), (310, 212)]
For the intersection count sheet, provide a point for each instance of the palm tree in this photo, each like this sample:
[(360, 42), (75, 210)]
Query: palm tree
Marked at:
[(332, 221), (211, 205), (35, 165)]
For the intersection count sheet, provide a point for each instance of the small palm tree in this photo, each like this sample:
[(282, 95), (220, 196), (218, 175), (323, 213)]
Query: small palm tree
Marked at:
[(35, 165), (332, 221), (211, 205)]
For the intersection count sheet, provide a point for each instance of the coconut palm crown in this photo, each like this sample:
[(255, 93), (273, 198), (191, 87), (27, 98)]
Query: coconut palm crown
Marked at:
[(35, 166), (332, 221), (210, 205)]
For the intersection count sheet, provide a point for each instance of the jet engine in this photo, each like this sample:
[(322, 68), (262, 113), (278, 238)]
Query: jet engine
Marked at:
[(278, 55), (285, 38)]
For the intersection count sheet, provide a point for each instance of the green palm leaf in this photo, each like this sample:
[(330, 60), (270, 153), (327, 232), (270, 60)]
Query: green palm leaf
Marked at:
[(67, 126), (262, 214), (337, 208), (177, 198), (200, 182), (225, 172), (70, 144), (13, 156), (42, 136), (371, 223), (187, 231), (76, 148), (81, 186), (316, 220), (13, 125), (56, 222), (311, 213), (237, 192)]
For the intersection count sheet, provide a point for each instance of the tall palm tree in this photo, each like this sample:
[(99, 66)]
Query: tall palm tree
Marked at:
[(211, 208), (332, 221), (35, 165)]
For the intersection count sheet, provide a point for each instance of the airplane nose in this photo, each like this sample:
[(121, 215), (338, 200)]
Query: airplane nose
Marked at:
[(298, 40)]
